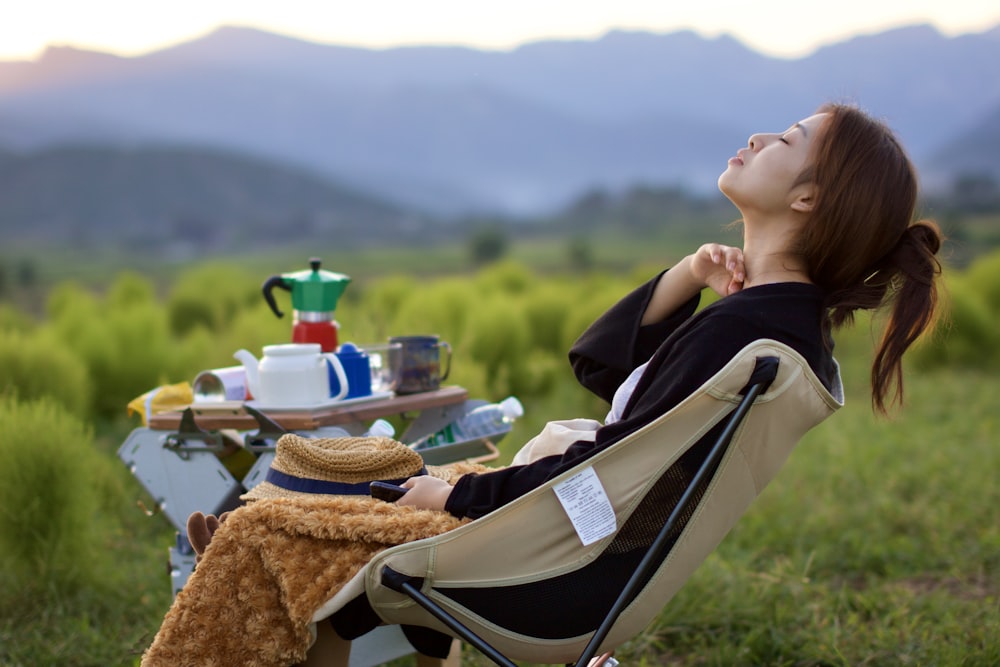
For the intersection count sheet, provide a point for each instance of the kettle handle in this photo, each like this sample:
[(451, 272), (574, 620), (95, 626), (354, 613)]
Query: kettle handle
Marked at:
[(270, 284), (338, 368)]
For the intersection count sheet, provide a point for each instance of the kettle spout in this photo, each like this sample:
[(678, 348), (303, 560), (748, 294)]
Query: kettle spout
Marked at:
[(250, 366)]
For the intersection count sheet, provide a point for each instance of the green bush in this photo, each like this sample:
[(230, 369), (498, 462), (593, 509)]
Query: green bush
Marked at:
[(211, 295), (498, 340), (13, 319), (967, 334), (369, 312), (984, 274), (547, 309), (509, 277), (588, 301), (441, 308), (69, 304), (34, 366), (48, 496), (125, 349), (251, 328), (130, 289)]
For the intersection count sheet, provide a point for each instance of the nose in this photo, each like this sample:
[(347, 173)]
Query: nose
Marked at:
[(756, 141)]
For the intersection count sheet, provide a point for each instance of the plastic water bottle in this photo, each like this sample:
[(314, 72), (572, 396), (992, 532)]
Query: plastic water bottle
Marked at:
[(379, 427), (484, 421)]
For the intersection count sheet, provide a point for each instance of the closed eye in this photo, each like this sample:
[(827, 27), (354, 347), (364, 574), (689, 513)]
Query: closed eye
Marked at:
[(783, 140)]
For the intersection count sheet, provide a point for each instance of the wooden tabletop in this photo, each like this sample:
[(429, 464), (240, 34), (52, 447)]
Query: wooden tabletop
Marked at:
[(231, 415)]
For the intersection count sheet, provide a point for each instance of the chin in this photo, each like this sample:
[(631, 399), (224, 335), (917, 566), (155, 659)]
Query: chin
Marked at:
[(722, 184)]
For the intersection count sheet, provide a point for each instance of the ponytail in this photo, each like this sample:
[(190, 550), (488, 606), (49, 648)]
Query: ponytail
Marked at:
[(908, 275)]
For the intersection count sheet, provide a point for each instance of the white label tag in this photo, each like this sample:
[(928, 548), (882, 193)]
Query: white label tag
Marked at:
[(587, 506)]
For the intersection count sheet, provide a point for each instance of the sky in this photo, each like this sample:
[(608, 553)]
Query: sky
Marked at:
[(784, 28)]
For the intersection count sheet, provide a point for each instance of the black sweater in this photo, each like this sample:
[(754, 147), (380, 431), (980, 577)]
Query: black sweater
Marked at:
[(684, 351)]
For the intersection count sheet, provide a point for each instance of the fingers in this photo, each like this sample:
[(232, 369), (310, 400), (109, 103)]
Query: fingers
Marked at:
[(426, 492), (720, 267), (198, 532), (731, 258)]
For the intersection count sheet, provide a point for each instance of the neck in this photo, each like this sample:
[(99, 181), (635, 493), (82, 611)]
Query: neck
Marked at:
[(768, 260)]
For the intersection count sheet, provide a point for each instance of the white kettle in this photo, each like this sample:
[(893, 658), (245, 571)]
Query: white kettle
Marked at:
[(292, 375)]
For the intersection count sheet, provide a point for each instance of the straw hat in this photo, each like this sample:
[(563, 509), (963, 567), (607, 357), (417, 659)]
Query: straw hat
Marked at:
[(311, 467)]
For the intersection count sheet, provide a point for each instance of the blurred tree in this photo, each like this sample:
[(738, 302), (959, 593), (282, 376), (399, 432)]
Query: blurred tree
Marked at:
[(488, 243), (581, 254), (976, 193), (27, 273)]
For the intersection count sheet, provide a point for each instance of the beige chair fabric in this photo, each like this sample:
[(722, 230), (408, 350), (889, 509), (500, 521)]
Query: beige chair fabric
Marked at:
[(532, 538)]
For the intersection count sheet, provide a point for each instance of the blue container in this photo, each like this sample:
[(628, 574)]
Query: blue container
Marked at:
[(356, 368)]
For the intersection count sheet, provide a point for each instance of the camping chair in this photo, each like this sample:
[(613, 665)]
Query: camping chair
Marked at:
[(521, 584)]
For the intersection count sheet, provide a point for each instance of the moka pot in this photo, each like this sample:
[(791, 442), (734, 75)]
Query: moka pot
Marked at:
[(314, 302)]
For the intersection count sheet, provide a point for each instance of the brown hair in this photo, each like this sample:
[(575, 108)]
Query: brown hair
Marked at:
[(861, 243)]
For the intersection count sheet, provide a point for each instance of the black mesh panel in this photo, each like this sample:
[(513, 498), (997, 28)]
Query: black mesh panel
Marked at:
[(575, 603)]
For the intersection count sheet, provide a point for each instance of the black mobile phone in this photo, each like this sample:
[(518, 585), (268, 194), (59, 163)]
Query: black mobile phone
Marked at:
[(390, 493)]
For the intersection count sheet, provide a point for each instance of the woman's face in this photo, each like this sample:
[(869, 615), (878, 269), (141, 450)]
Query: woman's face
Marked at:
[(764, 176)]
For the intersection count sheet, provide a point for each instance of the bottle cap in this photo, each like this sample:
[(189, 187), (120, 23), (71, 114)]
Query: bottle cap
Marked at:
[(511, 408)]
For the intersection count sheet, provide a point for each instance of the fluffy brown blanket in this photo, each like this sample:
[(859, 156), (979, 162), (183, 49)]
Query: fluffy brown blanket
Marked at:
[(269, 566)]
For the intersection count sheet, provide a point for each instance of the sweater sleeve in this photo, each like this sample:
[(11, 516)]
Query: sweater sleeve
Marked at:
[(615, 344)]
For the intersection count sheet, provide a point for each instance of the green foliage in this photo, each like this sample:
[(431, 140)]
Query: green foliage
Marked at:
[(968, 333), (37, 366), (125, 346), (210, 295), (441, 309), (13, 319), (48, 495), (497, 340), (130, 289), (983, 277), (546, 309), (512, 278), (251, 328), (68, 301), (384, 300)]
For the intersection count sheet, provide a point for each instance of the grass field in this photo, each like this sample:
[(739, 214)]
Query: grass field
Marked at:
[(878, 544)]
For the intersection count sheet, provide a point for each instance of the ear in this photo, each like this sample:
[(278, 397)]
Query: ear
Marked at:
[(804, 198)]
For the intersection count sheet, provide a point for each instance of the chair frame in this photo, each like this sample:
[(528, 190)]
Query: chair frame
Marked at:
[(765, 371)]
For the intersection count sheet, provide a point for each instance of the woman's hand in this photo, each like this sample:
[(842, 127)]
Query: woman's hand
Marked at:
[(425, 492), (712, 265), (719, 267)]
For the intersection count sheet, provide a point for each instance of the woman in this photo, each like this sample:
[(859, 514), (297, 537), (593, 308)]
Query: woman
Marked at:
[(827, 209)]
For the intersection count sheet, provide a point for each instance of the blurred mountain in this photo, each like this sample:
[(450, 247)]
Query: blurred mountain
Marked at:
[(449, 129), (179, 199), (974, 151)]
